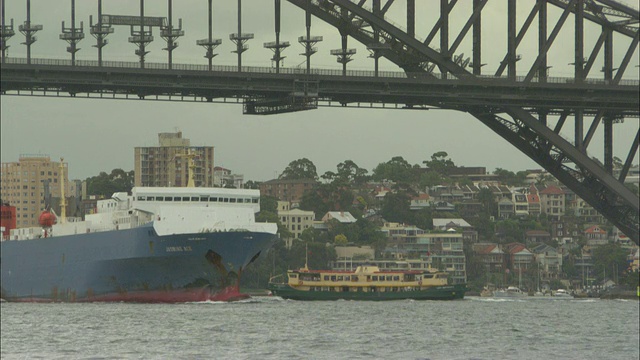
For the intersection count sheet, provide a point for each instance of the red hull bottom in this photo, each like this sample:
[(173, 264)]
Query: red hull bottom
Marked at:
[(230, 293)]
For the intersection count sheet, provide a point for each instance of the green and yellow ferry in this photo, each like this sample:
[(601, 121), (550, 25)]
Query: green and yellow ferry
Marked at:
[(367, 282)]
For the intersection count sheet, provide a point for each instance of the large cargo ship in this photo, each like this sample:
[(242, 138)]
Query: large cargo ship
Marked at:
[(155, 245)]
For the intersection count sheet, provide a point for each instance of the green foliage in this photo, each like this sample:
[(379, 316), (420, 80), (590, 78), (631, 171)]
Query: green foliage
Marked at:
[(489, 204), (396, 207), (252, 184), (609, 259), (300, 169), (268, 203), (510, 178), (327, 197), (340, 240), (350, 173), (272, 217), (439, 163), (397, 169), (106, 184)]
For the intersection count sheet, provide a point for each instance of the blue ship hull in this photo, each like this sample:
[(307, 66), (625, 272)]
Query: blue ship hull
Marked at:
[(133, 265)]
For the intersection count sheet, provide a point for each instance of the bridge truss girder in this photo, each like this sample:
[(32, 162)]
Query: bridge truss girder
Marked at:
[(527, 129)]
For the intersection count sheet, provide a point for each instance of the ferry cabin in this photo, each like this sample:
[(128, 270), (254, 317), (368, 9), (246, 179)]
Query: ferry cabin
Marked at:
[(364, 279)]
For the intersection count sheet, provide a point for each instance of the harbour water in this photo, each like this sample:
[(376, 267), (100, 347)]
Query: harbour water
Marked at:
[(272, 328)]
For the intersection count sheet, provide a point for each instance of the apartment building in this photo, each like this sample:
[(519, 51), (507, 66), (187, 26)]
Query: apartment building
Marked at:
[(552, 202), (287, 190), (168, 163), (30, 183)]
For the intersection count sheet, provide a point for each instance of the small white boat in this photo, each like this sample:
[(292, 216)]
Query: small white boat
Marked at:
[(562, 294), (510, 292)]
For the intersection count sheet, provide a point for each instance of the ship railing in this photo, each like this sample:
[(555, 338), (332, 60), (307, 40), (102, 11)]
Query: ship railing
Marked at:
[(273, 279)]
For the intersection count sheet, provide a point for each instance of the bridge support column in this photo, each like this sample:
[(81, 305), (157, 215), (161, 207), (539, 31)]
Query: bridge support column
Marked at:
[(444, 32), (542, 40), (6, 32), (28, 31), (411, 18), (477, 41), (511, 39)]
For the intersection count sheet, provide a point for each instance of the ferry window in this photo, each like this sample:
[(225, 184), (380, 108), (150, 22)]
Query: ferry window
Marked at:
[(168, 198), (213, 199), (389, 277), (347, 278), (151, 198), (141, 198), (232, 200), (185, 198), (195, 198), (326, 277), (340, 278), (247, 201), (255, 200), (374, 278), (396, 278), (294, 276), (381, 278), (204, 197), (333, 278), (177, 198), (225, 200)]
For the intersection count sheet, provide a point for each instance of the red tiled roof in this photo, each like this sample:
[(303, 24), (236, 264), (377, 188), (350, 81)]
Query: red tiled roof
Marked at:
[(595, 229), (487, 249), (422, 197), (533, 198), (552, 190)]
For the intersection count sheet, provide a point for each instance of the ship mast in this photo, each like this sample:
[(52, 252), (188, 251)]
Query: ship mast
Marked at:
[(191, 165), (63, 201)]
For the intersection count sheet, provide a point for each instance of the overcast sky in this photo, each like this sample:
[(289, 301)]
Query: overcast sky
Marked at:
[(99, 135)]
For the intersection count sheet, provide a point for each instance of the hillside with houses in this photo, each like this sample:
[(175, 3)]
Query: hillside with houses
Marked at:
[(499, 228)]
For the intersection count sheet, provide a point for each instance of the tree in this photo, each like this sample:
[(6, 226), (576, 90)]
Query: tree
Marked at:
[(340, 240), (327, 197), (489, 205), (510, 178), (350, 173), (269, 203), (252, 184), (396, 207), (106, 184), (439, 163), (609, 259), (272, 217), (300, 169), (397, 169)]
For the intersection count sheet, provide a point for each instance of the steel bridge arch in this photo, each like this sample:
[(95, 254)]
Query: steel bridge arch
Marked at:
[(530, 134)]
